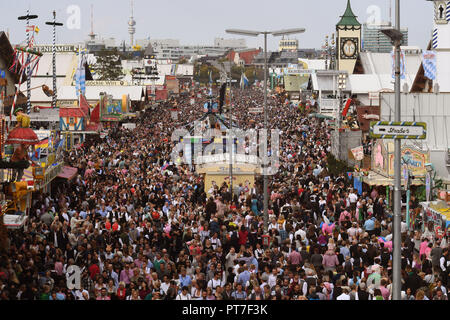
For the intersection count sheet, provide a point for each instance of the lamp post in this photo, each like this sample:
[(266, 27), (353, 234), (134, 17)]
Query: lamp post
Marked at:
[(396, 36), (54, 24), (329, 52), (28, 17), (255, 34)]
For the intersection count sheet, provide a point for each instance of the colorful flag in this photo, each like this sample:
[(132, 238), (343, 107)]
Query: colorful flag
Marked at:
[(429, 64), (37, 155), (42, 144), (402, 64), (80, 84), (244, 81)]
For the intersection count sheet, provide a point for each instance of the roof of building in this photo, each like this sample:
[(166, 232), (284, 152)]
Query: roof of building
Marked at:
[(7, 53), (248, 55), (149, 50), (325, 80), (71, 112), (379, 66), (349, 18), (93, 92), (66, 63), (95, 114)]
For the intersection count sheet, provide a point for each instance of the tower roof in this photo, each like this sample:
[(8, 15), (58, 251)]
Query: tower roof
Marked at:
[(149, 50), (349, 18)]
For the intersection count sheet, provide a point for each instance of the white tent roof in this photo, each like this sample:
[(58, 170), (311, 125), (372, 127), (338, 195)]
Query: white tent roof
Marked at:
[(93, 92), (380, 65), (65, 63), (37, 95), (314, 64), (364, 83)]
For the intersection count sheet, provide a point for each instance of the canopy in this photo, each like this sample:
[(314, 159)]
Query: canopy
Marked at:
[(68, 173), (320, 116), (376, 179)]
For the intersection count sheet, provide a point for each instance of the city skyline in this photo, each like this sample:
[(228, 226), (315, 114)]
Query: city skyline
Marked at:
[(197, 22)]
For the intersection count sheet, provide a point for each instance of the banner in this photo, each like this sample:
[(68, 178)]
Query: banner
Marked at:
[(402, 64), (429, 64), (358, 153), (357, 184), (80, 76)]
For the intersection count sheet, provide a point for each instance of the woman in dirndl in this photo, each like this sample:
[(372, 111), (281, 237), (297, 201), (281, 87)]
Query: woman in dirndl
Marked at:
[(22, 133)]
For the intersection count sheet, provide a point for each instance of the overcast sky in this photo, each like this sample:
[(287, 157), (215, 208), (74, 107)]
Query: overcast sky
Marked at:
[(200, 21)]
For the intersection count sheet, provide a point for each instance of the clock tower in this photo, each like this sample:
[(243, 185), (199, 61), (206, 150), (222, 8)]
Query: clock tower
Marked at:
[(348, 43), (441, 31)]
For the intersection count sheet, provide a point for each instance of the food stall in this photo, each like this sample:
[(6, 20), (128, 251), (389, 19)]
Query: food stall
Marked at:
[(436, 214)]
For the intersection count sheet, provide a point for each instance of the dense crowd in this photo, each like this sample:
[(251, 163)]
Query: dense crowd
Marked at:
[(141, 227)]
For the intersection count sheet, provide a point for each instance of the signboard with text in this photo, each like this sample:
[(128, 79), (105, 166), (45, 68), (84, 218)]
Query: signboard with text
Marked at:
[(398, 130)]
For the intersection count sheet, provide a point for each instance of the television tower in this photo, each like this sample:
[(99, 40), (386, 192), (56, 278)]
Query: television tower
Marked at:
[(92, 34), (131, 24)]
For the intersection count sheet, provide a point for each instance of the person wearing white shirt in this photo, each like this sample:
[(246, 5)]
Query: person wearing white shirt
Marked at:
[(215, 282), (165, 285), (184, 295), (300, 232), (353, 197), (272, 281), (81, 294), (344, 295)]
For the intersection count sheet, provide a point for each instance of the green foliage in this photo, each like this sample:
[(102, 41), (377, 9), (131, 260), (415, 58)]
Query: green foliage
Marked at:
[(337, 167), (201, 73), (421, 191), (108, 65)]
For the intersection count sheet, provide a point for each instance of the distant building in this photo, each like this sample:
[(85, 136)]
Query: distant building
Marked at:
[(171, 49), (288, 45), (284, 58), (230, 43), (374, 40), (243, 57), (96, 45)]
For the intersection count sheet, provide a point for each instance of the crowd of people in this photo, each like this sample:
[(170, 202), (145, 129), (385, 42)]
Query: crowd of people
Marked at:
[(141, 227)]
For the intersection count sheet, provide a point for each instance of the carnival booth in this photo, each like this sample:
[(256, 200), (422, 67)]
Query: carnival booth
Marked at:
[(436, 215), (113, 111), (381, 174)]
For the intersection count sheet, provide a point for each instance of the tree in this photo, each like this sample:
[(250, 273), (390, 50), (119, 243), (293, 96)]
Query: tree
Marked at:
[(337, 167), (236, 72), (108, 65), (201, 73)]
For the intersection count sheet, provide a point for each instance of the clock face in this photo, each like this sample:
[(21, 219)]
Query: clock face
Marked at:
[(349, 48)]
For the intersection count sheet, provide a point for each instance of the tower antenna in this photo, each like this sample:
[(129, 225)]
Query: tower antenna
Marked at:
[(92, 34)]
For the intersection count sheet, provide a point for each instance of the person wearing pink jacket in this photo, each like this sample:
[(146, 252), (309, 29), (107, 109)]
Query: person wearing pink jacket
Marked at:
[(330, 261), (423, 247)]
